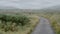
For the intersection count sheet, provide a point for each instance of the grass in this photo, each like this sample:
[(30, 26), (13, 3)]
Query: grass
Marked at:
[(54, 20), (54, 17), (27, 29)]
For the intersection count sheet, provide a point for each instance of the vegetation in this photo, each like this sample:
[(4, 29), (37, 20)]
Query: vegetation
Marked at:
[(23, 24), (13, 20), (17, 23), (54, 18)]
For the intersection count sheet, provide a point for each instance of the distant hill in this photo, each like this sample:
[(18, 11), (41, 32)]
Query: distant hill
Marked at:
[(3, 7), (53, 8), (13, 9)]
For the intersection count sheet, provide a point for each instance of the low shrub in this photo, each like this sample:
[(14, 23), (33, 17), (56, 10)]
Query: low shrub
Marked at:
[(10, 22)]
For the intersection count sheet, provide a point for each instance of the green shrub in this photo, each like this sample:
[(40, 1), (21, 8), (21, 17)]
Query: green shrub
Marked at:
[(5, 19)]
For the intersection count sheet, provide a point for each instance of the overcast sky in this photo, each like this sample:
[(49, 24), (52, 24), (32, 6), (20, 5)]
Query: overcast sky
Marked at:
[(29, 4)]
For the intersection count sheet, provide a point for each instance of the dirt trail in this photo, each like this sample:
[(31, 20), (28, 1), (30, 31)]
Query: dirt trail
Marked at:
[(43, 27)]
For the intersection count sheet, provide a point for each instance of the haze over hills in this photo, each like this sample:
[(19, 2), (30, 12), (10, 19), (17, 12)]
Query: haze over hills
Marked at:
[(3, 7), (10, 9), (53, 8)]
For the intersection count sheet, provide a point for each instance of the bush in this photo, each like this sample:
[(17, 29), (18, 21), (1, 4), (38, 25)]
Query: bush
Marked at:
[(5, 19)]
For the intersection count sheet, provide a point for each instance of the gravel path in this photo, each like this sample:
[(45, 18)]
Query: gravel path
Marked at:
[(43, 27)]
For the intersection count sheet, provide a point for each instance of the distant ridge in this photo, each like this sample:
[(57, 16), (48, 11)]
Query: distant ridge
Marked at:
[(10, 9), (3, 7)]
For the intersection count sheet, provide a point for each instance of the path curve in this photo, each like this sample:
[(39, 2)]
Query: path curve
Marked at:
[(43, 27)]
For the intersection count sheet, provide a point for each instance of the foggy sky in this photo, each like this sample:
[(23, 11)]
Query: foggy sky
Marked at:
[(29, 4)]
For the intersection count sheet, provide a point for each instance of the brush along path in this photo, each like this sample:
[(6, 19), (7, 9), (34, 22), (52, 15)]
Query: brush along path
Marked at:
[(43, 27)]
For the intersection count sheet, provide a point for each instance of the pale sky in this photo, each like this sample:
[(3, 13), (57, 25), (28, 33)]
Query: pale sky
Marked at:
[(29, 4)]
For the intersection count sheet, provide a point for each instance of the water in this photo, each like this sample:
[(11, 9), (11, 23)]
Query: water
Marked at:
[(43, 27)]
